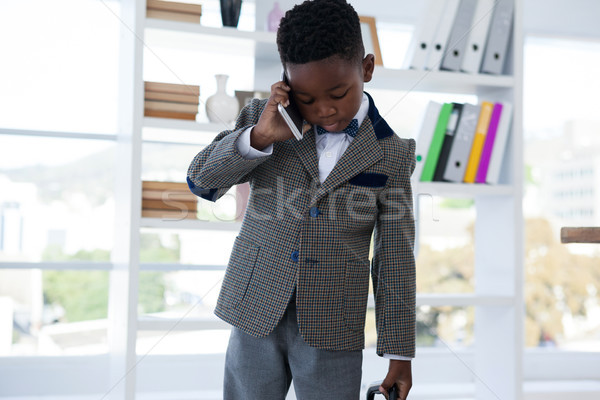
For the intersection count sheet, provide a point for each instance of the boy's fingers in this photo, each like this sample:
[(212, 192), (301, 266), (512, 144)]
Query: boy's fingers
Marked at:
[(306, 127), (279, 86), (403, 392), (383, 392), (279, 94)]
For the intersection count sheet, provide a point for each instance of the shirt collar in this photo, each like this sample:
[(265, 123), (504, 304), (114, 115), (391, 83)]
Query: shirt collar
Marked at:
[(360, 115)]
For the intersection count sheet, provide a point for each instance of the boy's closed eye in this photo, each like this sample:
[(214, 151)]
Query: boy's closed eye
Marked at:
[(306, 102), (333, 96), (340, 96)]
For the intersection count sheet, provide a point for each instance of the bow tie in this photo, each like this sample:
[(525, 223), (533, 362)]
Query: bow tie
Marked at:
[(351, 130)]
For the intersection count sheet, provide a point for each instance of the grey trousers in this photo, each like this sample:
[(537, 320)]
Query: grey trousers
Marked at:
[(263, 368)]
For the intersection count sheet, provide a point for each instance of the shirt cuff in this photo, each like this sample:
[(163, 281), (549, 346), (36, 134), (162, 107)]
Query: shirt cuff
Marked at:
[(248, 152), (396, 357)]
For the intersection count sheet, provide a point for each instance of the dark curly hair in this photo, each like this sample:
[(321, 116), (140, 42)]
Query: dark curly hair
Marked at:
[(319, 29)]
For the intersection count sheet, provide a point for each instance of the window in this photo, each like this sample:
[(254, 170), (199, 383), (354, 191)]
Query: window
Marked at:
[(66, 74), (57, 169), (562, 157)]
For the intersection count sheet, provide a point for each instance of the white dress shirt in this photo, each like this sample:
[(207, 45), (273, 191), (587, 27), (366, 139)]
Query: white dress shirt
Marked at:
[(330, 147)]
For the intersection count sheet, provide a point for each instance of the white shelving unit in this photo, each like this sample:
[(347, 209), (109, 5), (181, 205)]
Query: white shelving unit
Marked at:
[(498, 296), (189, 224), (166, 123)]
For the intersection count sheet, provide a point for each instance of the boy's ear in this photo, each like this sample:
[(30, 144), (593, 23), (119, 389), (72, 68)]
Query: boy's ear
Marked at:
[(368, 65)]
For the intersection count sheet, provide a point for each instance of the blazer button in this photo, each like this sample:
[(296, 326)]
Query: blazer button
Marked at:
[(314, 212), (295, 256)]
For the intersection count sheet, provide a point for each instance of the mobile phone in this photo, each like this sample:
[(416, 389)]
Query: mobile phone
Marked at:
[(291, 115)]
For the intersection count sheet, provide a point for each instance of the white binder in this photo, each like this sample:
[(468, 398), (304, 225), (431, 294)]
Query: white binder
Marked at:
[(440, 40), (461, 146), (495, 166), (422, 39), (426, 130), (457, 41), (499, 35), (478, 36)]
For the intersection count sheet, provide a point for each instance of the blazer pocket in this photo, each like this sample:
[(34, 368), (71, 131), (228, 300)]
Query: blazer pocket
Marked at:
[(369, 179), (238, 274), (356, 291)]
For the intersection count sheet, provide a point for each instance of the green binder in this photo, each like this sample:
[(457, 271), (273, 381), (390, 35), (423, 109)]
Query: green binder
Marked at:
[(436, 143)]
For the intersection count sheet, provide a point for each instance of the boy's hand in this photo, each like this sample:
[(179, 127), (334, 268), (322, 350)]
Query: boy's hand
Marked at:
[(271, 127), (399, 373)]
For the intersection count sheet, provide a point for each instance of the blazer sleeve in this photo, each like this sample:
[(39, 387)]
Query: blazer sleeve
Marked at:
[(220, 165), (393, 265)]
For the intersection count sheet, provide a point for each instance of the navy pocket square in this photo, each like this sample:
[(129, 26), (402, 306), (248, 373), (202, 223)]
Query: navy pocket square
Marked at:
[(369, 179)]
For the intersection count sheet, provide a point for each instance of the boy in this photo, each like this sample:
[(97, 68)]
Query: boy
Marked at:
[(297, 283)]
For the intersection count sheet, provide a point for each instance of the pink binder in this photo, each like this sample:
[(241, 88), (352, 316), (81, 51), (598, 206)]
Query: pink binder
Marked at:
[(486, 153)]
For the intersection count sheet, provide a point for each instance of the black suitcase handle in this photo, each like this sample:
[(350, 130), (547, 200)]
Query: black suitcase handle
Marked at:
[(374, 389)]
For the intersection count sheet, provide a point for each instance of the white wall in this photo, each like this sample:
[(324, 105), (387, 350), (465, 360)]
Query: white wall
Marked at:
[(542, 17)]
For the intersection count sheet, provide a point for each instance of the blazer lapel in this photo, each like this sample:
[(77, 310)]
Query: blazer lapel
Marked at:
[(307, 152), (363, 152)]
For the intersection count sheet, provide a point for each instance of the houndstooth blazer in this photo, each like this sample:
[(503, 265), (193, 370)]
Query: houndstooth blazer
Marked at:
[(300, 236)]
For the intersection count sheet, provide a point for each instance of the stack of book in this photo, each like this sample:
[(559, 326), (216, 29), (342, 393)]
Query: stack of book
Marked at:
[(462, 35), (462, 142), (168, 200), (170, 100), (174, 11)]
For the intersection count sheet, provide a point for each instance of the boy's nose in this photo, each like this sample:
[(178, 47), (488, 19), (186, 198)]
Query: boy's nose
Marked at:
[(325, 110)]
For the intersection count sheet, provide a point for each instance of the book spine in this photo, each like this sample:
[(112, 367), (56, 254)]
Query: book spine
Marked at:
[(478, 141), (170, 186), (426, 131), (478, 36), (169, 204), (193, 90), (462, 143), (172, 97), (188, 8), (170, 106), (442, 163), (457, 41), (173, 16), (499, 150), (169, 215), (169, 114), (186, 196), (495, 56), (422, 41), (436, 143), (440, 40), (486, 152)]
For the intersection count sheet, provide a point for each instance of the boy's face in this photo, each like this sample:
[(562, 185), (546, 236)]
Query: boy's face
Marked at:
[(329, 92)]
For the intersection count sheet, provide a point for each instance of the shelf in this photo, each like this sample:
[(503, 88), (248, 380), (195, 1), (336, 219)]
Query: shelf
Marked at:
[(160, 131), (434, 300), (58, 134), (105, 266), (463, 300), (262, 45), (180, 267), (460, 189), (436, 81), (189, 36), (180, 324), (180, 124), (59, 265), (190, 224), (456, 300)]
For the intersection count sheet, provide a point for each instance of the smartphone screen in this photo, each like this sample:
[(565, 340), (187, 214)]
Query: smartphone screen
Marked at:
[(291, 114)]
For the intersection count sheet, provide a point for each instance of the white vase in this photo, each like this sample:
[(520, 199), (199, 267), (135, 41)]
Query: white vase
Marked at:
[(220, 107)]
